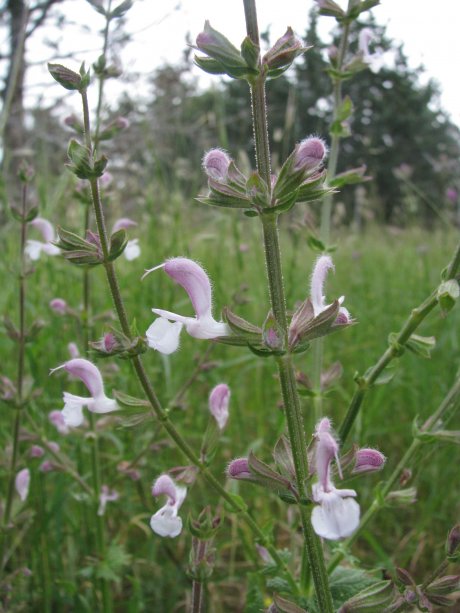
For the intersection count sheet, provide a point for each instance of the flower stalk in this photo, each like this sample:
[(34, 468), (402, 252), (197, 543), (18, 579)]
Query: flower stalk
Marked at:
[(157, 410), (278, 305)]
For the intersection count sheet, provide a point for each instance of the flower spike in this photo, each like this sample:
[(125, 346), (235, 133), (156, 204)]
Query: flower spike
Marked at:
[(166, 522), (92, 378), (191, 276)]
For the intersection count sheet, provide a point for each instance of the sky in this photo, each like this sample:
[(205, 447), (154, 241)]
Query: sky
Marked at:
[(158, 28)]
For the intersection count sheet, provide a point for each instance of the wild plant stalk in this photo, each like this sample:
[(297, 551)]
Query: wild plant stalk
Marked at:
[(21, 342), (444, 414), (286, 372), (157, 409), (418, 314), (326, 211)]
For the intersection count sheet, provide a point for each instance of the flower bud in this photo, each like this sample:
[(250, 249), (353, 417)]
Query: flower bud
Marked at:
[(59, 306), (310, 153), (36, 451), (47, 466), (239, 469), (453, 540), (284, 51), (55, 448), (215, 164), (368, 461)]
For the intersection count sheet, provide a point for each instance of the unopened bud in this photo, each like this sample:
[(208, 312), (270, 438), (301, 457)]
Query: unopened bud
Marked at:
[(239, 469), (47, 466), (121, 122), (284, 51), (36, 451), (59, 306), (402, 497), (375, 597), (453, 540), (215, 164), (368, 461), (310, 153)]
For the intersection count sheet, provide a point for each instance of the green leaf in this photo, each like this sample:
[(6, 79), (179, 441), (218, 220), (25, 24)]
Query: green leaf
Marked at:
[(350, 177), (286, 606), (121, 9), (254, 596), (421, 345), (315, 244), (447, 295), (346, 582), (67, 78)]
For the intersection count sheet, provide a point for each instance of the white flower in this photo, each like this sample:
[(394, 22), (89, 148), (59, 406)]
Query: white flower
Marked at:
[(375, 60), (97, 403), (188, 274), (166, 522), (337, 513)]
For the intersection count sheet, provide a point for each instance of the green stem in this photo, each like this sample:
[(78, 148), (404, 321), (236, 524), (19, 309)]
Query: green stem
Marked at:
[(444, 412), (19, 380), (157, 410), (410, 326), (102, 78), (291, 399), (95, 455)]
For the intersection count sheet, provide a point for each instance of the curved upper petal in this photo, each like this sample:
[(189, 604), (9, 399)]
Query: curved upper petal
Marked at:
[(194, 280), (322, 266), (88, 373), (123, 224), (163, 335), (219, 399), (44, 227), (336, 517)]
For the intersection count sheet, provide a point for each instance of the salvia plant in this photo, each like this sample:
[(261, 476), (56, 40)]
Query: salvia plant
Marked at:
[(314, 474)]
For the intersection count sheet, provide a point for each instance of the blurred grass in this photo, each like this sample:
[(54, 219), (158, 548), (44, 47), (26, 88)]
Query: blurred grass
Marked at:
[(383, 273)]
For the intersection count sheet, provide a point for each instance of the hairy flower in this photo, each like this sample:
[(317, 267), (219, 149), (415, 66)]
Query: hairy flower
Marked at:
[(337, 513), (239, 469), (368, 461), (164, 337), (98, 402), (322, 266), (310, 153), (33, 248), (59, 306), (219, 399), (22, 483), (166, 522), (216, 163)]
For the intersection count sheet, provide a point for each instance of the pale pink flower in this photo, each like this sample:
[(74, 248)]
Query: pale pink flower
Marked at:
[(368, 461), (216, 163), (59, 306), (322, 266), (239, 469), (36, 451), (163, 335), (33, 248), (98, 402), (22, 483), (106, 179), (310, 153), (337, 513), (375, 60), (55, 447), (58, 421), (219, 399), (106, 496), (47, 466), (166, 522)]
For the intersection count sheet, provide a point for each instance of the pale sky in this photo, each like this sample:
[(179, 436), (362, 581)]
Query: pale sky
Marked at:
[(428, 30)]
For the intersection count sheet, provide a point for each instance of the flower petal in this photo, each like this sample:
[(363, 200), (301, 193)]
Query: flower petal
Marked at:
[(50, 249), (219, 399), (72, 412), (44, 227), (132, 249), (163, 335), (322, 266), (22, 483), (123, 224), (88, 373), (194, 280), (165, 486), (165, 522), (335, 518), (33, 249), (206, 327)]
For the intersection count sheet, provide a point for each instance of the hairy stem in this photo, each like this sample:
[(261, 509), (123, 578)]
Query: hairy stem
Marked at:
[(291, 400)]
